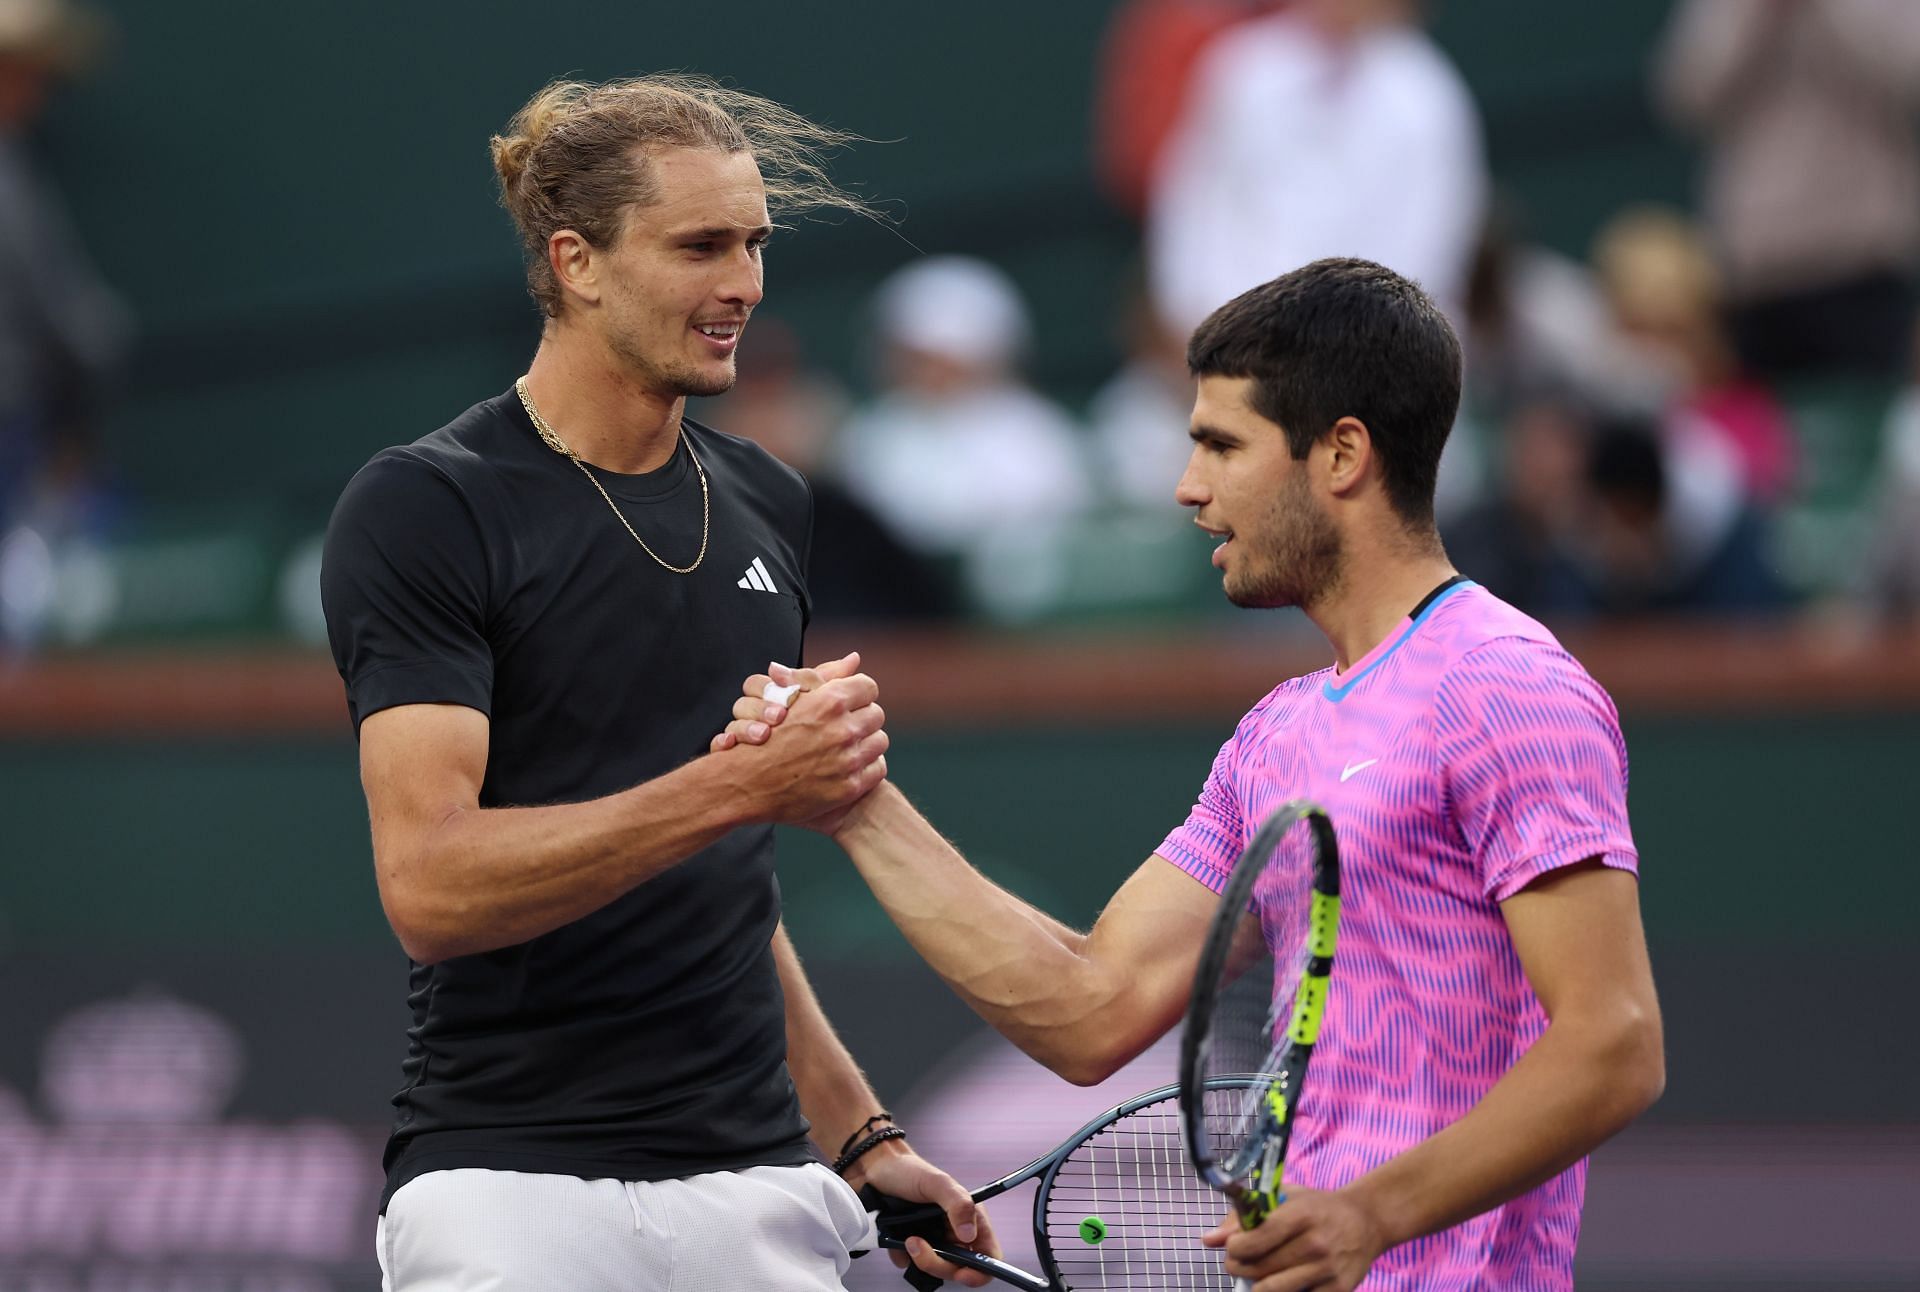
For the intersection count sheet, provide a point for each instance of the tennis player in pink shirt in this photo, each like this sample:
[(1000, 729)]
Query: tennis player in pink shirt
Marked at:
[(1494, 1016)]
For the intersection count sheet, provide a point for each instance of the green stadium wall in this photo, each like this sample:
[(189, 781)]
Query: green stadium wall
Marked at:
[(1770, 846)]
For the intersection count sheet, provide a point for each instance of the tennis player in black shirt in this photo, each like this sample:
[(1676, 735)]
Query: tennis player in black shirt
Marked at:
[(541, 612)]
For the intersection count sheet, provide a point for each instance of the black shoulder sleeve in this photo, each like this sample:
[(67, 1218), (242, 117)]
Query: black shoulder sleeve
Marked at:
[(404, 584)]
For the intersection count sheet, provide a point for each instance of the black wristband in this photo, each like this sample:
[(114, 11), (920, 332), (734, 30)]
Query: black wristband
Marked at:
[(864, 1127), (859, 1150)]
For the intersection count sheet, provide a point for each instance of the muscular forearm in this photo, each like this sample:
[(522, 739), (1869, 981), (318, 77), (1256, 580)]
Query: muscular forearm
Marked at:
[(1580, 1084), (1030, 976), (484, 878)]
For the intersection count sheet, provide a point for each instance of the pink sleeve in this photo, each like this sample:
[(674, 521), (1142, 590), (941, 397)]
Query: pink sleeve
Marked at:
[(1535, 765), (1207, 845)]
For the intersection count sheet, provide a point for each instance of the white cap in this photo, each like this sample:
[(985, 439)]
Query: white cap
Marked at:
[(955, 306)]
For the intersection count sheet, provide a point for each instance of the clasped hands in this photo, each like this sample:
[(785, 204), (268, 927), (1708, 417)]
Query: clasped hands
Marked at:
[(832, 750)]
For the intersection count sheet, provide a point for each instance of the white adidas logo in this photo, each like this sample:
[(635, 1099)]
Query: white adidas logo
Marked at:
[(757, 577)]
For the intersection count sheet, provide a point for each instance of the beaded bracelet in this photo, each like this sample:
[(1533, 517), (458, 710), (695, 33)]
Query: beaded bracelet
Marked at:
[(865, 1126), (859, 1150)]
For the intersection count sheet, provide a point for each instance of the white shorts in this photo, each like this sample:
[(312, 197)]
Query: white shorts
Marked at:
[(507, 1231)]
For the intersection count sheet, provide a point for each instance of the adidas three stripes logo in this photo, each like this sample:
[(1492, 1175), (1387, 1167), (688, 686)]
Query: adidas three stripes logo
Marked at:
[(758, 578)]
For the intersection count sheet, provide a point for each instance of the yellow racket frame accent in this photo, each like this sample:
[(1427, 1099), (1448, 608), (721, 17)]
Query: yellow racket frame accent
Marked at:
[(1258, 1188)]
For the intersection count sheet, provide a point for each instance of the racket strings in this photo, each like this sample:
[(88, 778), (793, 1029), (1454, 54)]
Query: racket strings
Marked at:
[(1134, 1179), (1247, 1037)]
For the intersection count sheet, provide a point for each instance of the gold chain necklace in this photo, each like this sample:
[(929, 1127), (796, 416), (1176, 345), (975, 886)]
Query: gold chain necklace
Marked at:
[(558, 445)]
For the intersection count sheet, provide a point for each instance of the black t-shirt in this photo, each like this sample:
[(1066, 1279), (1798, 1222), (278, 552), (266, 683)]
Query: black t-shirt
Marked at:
[(479, 567)]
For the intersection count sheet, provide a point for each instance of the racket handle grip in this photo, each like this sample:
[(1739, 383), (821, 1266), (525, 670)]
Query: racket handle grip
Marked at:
[(999, 1269), (1243, 1285)]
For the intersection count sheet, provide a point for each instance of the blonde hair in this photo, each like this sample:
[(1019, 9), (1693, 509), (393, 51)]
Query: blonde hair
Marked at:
[(1656, 268), (575, 157)]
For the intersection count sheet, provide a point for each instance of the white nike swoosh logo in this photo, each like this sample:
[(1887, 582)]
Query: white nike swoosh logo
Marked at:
[(1353, 768)]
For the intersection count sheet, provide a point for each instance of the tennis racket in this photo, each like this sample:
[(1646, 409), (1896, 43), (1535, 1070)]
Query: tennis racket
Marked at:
[(1117, 1207), (1235, 1014)]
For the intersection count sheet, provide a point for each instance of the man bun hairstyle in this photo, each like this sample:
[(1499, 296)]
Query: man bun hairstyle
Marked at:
[(576, 157), (1345, 338)]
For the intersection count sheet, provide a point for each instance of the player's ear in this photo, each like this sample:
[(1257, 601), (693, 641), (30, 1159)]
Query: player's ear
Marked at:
[(574, 265), (1349, 454)]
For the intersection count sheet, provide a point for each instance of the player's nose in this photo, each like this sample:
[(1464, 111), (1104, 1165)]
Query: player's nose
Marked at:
[(744, 283), (1191, 490)]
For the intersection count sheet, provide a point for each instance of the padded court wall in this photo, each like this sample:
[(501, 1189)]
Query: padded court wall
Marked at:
[(213, 900)]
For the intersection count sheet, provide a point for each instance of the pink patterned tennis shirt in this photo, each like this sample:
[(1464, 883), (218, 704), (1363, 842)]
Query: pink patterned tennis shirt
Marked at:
[(1461, 759)]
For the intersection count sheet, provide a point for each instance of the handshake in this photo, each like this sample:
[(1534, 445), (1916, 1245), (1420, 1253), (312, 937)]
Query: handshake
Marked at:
[(809, 744)]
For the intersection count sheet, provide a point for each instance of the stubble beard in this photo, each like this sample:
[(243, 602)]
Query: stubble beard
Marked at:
[(675, 379), (1301, 563), (701, 385)]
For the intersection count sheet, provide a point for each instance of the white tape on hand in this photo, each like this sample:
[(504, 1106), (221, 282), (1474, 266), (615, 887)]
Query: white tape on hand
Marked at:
[(780, 695)]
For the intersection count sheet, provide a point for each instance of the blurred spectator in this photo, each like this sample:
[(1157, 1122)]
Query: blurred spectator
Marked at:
[(1652, 545), (1813, 171), (1604, 513), (1665, 293), (62, 331), (1892, 567), (1331, 128), (955, 446), (1519, 541), (1537, 320), (70, 497), (1146, 64), (1139, 417), (857, 571)]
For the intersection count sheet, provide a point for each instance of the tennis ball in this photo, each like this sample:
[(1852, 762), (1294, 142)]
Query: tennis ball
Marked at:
[(1093, 1229)]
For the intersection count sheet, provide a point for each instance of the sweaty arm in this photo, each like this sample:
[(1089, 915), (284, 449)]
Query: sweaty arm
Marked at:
[(458, 879), (1080, 1003)]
